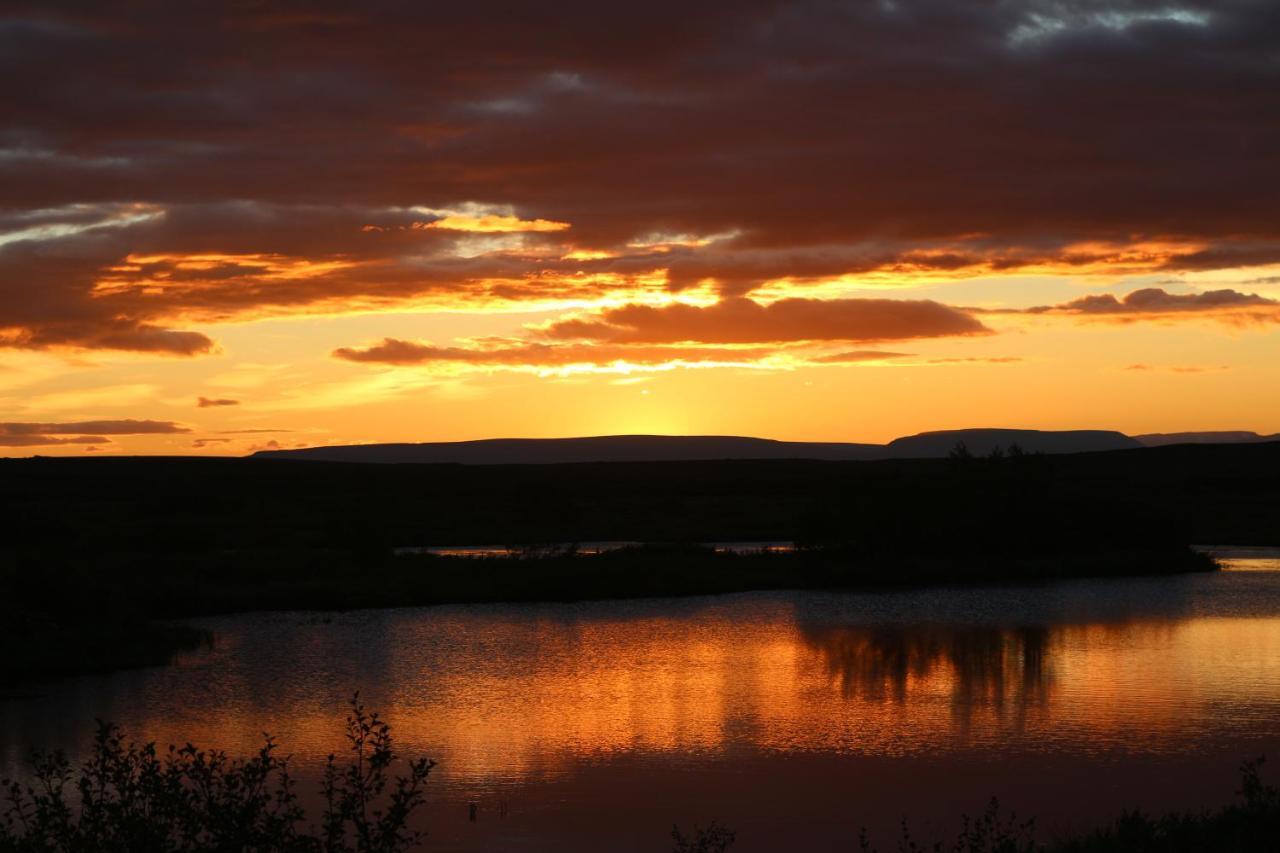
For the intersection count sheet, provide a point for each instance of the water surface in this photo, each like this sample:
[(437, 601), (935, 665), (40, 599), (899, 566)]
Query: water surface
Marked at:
[(795, 718)]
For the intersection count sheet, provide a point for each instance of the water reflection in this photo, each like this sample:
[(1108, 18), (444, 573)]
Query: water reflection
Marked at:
[(508, 693), (1245, 558), (543, 698), (581, 549), (980, 665)]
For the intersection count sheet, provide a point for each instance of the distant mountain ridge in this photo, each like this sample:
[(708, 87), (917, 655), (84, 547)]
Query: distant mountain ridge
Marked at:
[(1161, 439), (674, 448), (982, 442), (603, 448)]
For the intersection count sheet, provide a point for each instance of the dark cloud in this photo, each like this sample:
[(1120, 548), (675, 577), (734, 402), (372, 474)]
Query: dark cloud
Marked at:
[(48, 299), (201, 443), (36, 440), (816, 138), (540, 355), (139, 337), (20, 434), (124, 427), (734, 330), (740, 320), (1154, 302), (207, 402)]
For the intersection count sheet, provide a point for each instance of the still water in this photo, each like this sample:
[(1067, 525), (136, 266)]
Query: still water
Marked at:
[(794, 718)]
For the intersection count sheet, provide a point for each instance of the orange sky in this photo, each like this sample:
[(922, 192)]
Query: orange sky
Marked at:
[(343, 227)]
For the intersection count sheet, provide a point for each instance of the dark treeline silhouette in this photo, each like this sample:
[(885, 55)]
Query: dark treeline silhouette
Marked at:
[(145, 506), (1210, 493), (96, 549)]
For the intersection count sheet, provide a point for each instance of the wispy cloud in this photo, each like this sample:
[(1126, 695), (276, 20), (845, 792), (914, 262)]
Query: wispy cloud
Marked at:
[(30, 434), (1153, 303)]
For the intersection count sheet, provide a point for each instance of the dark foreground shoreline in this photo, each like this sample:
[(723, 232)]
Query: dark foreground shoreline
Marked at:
[(133, 799), (101, 559)]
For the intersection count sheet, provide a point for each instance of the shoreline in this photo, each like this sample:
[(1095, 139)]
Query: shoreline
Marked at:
[(94, 637)]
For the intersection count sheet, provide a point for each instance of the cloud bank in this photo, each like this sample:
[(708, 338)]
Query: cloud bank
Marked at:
[(168, 165)]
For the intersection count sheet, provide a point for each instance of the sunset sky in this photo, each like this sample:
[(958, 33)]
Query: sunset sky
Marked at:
[(408, 221)]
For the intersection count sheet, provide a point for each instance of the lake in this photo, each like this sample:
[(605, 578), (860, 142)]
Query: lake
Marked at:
[(794, 718)]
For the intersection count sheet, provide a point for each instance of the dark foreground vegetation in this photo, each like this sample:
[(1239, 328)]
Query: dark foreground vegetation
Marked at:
[(136, 799), (1251, 823), (127, 798), (94, 551), (132, 799)]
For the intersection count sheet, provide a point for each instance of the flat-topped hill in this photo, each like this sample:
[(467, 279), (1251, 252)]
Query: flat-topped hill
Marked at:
[(678, 448), (604, 448)]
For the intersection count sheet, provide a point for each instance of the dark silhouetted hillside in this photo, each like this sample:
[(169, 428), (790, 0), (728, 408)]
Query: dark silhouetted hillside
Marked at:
[(1162, 439), (677, 448), (605, 448), (982, 442)]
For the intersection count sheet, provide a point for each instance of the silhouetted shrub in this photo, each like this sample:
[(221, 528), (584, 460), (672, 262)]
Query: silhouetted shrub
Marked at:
[(990, 833), (130, 799), (710, 839), (1250, 824)]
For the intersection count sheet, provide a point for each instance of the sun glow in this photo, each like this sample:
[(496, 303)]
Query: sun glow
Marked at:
[(157, 273), (492, 224)]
